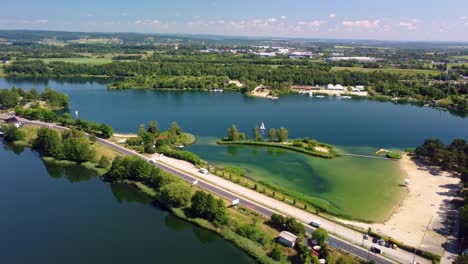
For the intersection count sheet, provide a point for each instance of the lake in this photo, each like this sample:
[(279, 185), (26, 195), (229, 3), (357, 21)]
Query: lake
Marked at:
[(66, 214), (361, 188)]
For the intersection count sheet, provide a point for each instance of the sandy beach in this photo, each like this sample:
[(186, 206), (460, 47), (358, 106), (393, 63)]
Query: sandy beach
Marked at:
[(421, 219)]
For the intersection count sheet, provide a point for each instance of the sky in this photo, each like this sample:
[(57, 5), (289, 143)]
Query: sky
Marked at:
[(414, 20)]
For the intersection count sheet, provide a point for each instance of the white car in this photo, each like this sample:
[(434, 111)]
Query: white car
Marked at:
[(203, 171), (152, 161)]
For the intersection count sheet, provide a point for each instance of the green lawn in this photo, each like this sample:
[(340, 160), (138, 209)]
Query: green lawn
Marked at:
[(463, 57), (390, 70), (79, 60)]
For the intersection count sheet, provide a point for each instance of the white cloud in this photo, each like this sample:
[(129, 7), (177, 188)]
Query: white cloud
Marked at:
[(41, 21), (332, 15), (408, 25), (283, 17), (365, 24), (313, 23), (147, 22), (124, 14)]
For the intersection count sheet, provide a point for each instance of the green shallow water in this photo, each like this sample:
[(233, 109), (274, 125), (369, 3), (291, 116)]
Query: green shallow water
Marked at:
[(66, 214), (358, 187)]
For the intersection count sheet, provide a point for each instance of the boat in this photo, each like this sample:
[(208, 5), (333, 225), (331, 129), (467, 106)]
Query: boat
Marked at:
[(346, 97), (181, 146), (320, 96), (311, 93), (262, 127)]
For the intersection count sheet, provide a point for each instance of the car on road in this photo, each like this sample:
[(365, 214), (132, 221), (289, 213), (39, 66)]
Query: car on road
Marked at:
[(366, 236), (203, 171), (315, 223), (152, 161), (381, 242), (375, 240), (376, 250)]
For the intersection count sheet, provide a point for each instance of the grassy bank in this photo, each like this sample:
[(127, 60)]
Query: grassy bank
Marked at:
[(330, 155)]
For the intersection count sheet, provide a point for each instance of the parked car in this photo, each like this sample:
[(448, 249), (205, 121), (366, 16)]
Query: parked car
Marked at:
[(375, 240), (376, 250), (152, 161), (366, 236), (203, 171), (381, 242), (315, 223)]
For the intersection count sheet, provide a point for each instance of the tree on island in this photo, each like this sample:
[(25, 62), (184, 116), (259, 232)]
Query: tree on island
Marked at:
[(256, 134), (282, 134), (233, 133), (272, 135), (12, 133)]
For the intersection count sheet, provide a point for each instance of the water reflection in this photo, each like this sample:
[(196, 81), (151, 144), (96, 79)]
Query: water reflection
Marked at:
[(125, 193), (12, 147), (72, 173)]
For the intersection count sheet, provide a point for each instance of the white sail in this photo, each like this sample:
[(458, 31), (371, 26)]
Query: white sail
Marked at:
[(76, 113), (262, 127)]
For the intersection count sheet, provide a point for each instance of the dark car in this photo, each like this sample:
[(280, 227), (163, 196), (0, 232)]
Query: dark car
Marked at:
[(375, 240)]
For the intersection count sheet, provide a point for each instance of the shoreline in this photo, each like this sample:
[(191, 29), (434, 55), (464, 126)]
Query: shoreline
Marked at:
[(429, 192)]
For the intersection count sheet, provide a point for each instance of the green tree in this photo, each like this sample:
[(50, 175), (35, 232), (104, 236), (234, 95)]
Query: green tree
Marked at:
[(55, 98), (320, 235), (153, 128), (175, 128), (106, 131), (176, 194), (78, 149), (282, 134), (256, 134), (49, 142), (12, 133), (8, 98), (233, 133), (103, 162), (272, 134), (276, 253)]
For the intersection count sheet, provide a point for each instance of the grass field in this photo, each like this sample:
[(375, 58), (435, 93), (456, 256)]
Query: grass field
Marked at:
[(462, 57), (80, 60), (389, 70)]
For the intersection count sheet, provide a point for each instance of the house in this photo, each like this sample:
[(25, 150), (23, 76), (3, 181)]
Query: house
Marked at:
[(5, 62), (13, 120), (286, 238)]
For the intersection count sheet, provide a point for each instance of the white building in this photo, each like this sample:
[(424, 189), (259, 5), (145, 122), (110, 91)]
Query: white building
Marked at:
[(339, 87), (330, 87)]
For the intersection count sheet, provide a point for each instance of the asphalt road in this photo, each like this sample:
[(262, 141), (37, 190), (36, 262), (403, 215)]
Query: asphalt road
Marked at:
[(267, 212)]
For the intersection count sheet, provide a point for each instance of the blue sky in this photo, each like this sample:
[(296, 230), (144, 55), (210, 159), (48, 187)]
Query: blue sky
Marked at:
[(432, 20)]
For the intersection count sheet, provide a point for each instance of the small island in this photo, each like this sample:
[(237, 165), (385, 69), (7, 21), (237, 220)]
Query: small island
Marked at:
[(278, 138)]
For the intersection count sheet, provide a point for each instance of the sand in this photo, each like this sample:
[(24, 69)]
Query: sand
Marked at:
[(421, 218)]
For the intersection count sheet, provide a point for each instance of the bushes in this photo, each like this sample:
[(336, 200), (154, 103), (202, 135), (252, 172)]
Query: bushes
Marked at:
[(11, 133), (176, 194), (287, 223), (207, 207), (253, 233), (180, 154)]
